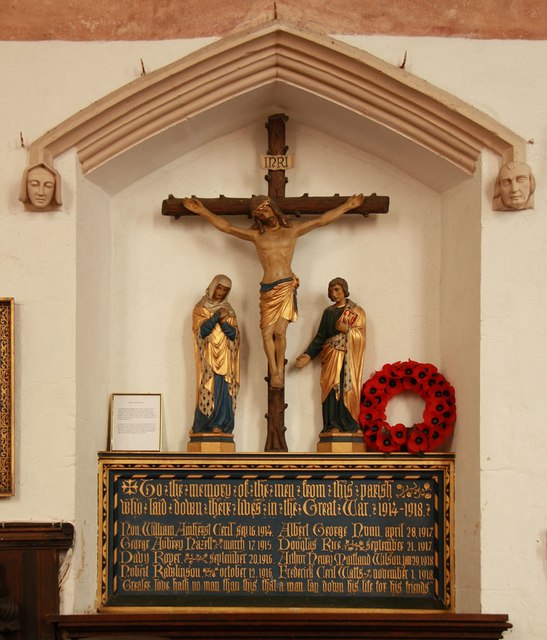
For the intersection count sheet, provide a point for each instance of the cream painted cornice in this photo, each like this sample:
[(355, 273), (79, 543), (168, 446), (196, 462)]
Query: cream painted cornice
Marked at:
[(279, 53)]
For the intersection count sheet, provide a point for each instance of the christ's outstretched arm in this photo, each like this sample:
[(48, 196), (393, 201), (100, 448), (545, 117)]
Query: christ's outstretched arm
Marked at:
[(196, 206), (330, 216)]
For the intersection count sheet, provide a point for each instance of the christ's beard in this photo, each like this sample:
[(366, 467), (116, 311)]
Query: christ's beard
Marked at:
[(271, 222)]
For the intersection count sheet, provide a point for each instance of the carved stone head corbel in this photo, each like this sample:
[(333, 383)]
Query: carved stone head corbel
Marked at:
[(514, 187), (40, 188)]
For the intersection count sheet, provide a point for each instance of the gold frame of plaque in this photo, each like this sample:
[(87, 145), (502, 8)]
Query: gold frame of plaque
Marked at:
[(7, 358), (267, 531)]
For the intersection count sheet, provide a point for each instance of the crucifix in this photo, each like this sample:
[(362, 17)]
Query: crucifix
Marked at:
[(274, 237)]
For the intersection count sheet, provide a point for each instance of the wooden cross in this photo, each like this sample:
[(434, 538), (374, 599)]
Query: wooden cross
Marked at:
[(303, 205)]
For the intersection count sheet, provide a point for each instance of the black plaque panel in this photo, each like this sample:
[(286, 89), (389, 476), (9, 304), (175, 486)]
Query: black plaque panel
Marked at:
[(362, 531)]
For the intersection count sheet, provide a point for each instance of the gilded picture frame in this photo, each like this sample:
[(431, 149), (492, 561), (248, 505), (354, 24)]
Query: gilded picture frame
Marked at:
[(6, 398)]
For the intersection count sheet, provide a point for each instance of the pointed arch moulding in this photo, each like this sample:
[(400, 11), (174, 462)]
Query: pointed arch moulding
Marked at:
[(278, 53)]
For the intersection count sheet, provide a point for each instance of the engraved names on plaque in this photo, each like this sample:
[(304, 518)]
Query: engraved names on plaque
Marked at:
[(309, 531)]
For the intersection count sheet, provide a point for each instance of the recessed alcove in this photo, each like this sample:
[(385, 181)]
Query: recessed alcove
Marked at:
[(145, 272), (416, 270)]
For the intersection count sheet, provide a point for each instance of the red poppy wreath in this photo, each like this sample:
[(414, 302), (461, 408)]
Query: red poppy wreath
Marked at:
[(438, 417)]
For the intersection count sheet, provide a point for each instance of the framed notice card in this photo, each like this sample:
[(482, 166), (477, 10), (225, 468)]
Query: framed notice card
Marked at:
[(6, 397), (135, 422)]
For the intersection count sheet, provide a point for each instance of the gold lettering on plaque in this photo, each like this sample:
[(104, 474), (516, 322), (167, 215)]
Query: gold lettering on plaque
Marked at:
[(296, 535)]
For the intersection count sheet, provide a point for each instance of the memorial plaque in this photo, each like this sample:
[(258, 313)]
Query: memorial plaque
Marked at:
[(305, 530)]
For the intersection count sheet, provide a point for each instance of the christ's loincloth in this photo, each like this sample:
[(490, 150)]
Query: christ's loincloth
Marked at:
[(278, 300)]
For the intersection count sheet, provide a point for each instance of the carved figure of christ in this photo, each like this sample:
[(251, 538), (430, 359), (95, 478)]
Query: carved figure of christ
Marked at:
[(275, 239)]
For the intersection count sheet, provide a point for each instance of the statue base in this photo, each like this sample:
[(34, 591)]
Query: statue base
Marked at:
[(214, 442), (341, 442)]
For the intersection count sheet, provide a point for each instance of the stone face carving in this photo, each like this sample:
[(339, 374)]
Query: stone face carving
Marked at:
[(40, 188), (514, 188)]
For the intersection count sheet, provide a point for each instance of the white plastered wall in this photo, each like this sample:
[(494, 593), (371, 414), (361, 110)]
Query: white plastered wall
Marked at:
[(48, 260)]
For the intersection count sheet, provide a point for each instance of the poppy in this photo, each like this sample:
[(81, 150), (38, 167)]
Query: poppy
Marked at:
[(410, 383), (370, 438), (398, 433), (384, 442), (423, 371), (371, 414), (372, 428), (394, 386), (400, 369), (435, 437), (417, 442)]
